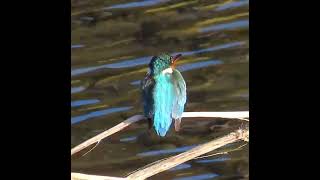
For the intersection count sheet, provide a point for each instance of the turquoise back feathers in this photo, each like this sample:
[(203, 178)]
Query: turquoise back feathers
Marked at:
[(164, 94)]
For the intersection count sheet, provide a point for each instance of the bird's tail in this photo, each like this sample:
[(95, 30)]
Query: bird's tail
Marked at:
[(177, 123), (163, 103)]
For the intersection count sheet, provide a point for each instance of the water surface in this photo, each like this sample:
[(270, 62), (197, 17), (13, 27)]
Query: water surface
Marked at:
[(112, 43)]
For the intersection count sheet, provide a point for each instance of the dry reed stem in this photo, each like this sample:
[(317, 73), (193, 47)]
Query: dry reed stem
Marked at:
[(168, 163), (188, 155), (106, 133), (232, 114), (79, 176), (136, 118)]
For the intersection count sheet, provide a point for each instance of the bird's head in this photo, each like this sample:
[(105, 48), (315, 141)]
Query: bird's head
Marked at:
[(163, 63)]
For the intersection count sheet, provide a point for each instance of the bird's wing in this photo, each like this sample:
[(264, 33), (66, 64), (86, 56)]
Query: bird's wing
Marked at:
[(180, 98), (164, 97), (147, 85)]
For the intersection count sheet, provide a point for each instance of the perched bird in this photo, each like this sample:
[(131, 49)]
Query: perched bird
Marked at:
[(164, 94)]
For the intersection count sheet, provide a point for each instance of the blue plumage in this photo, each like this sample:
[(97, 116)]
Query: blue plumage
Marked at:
[(164, 94), (163, 104)]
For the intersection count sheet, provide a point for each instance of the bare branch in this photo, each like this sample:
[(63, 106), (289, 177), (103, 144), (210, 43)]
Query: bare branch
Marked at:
[(79, 176), (232, 114), (136, 118), (188, 155), (168, 163), (107, 133)]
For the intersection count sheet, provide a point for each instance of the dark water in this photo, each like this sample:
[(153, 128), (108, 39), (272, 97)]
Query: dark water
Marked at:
[(112, 42)]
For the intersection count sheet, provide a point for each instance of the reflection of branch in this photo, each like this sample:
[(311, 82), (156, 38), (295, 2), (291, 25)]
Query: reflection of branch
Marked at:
[(136, 118), (168, 163)]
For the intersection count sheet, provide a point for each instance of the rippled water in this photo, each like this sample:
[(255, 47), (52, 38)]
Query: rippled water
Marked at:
[(112, 43)]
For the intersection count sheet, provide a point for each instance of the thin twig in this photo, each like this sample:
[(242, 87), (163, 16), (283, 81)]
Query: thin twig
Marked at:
[(243, 119), (226, 152), (91, 148)]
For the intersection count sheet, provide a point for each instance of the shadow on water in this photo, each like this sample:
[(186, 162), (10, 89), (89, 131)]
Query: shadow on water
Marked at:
[(112, 43)]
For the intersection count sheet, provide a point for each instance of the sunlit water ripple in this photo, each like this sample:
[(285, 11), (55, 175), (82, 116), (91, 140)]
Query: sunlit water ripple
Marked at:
[(113, 39)]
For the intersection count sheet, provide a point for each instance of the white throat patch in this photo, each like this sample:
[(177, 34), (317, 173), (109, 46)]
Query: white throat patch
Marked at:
[(168, 70)]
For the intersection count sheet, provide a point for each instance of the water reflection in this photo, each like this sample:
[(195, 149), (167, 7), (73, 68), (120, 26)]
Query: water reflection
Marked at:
[(220, 159), (230, 5), (136, 4), (212, 49), (77, 46), (187, 67), (166, 151), (94, 114), (84, 102), (226, 26), (197, 65), (135, 83), (128, 139), (113, 41), (77, 89), (180, 167), (122, 64), (146, 59), (198, 177)]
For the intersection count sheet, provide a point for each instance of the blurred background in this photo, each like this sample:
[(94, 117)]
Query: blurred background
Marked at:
[(112, 43)]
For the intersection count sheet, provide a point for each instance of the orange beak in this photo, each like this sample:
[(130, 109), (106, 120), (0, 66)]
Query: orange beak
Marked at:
[(174, 60)]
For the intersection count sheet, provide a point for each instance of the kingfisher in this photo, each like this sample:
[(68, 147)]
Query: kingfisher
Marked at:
[(164, 94)]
